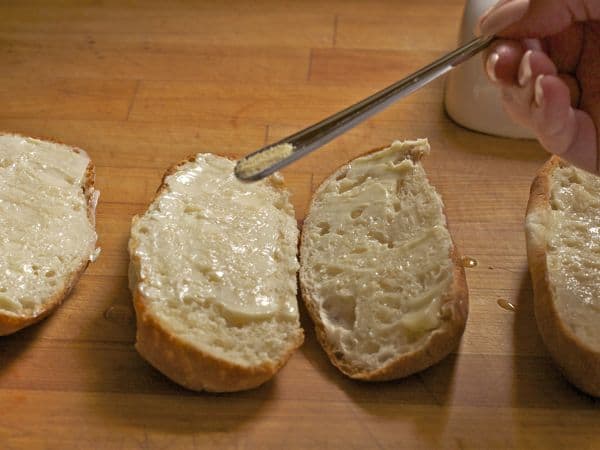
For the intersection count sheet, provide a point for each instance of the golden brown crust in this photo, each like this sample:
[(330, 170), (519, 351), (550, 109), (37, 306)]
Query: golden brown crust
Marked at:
[(579, 363), (191, 367), (10, 323), (183, 362), (437, 345)]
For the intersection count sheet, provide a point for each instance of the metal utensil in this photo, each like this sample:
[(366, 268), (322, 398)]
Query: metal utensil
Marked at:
[(305, 141)]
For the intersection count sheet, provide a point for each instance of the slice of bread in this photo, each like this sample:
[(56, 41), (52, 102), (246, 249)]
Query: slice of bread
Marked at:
[(379, 273), (213, 274), (47, 234), (563, 249)]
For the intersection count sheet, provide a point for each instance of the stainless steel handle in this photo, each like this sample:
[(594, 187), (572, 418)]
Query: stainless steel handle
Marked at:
[(316, 135)]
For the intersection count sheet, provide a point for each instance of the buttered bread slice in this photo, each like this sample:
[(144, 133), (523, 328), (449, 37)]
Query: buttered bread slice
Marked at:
[(563, 249), (380, 275), (213, 274), (47, 236)]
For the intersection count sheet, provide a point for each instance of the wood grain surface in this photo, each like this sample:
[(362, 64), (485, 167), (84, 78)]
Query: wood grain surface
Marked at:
[(142, 84)]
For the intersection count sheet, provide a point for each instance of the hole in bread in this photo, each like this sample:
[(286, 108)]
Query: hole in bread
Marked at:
[(7, 304), (383, 357), (388, 285), (401, 158), (333, 270), (216, 276), (144, 230), (446, 312), (349, 342), (392, 301), (340, 311), (338, 355), (50, 273), (280, 204), (340, 176), (379, 237), (371, 347), (384, 317), (3, 289), (347, 184), (4, 163), (575, 178), (396, 206), (223, 344), (211, 274), (323, 228), (357, 212), (359, 250), (28, 303), (191, 209), (277, 255), (399, 187)]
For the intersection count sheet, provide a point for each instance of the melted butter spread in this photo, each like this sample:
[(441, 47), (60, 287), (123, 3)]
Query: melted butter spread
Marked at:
[(45, 232), (211, 240), (573, 251), (379, 251)]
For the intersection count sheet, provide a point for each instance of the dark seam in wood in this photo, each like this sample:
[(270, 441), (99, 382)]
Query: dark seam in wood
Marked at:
[(135, 93), (310, 60), (335, 30)]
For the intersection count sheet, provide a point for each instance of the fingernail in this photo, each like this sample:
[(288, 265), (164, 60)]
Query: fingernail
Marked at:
[(490, 66), (538, 91), (525, 69), (486, 13), (503, 16), (533, 44)]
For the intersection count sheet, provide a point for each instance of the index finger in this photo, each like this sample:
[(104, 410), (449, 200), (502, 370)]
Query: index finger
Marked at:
[(518, 19)]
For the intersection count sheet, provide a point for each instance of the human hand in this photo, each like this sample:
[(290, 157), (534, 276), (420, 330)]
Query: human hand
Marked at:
[(547, 64)]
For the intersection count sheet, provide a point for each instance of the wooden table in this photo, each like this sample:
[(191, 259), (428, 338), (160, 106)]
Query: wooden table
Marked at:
[(140, 85)]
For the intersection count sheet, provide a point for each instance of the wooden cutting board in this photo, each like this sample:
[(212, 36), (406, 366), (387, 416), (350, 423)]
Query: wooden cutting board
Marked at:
[(141, 85)]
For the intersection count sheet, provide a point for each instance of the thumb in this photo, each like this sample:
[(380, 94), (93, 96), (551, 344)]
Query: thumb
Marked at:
[(536, 18)]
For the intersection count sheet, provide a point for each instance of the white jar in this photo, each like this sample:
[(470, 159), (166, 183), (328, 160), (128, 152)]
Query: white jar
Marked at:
[(471, 99)]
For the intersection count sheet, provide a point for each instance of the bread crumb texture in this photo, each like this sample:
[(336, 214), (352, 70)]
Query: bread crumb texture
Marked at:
[(215, 261), (572, 234), (257, 163), (46, 233), (376, 256)]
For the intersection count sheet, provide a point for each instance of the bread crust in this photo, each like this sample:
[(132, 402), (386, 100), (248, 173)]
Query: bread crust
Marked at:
[(579, 363), (191, 367), (184, 363), (438, 343), (10, 323)]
